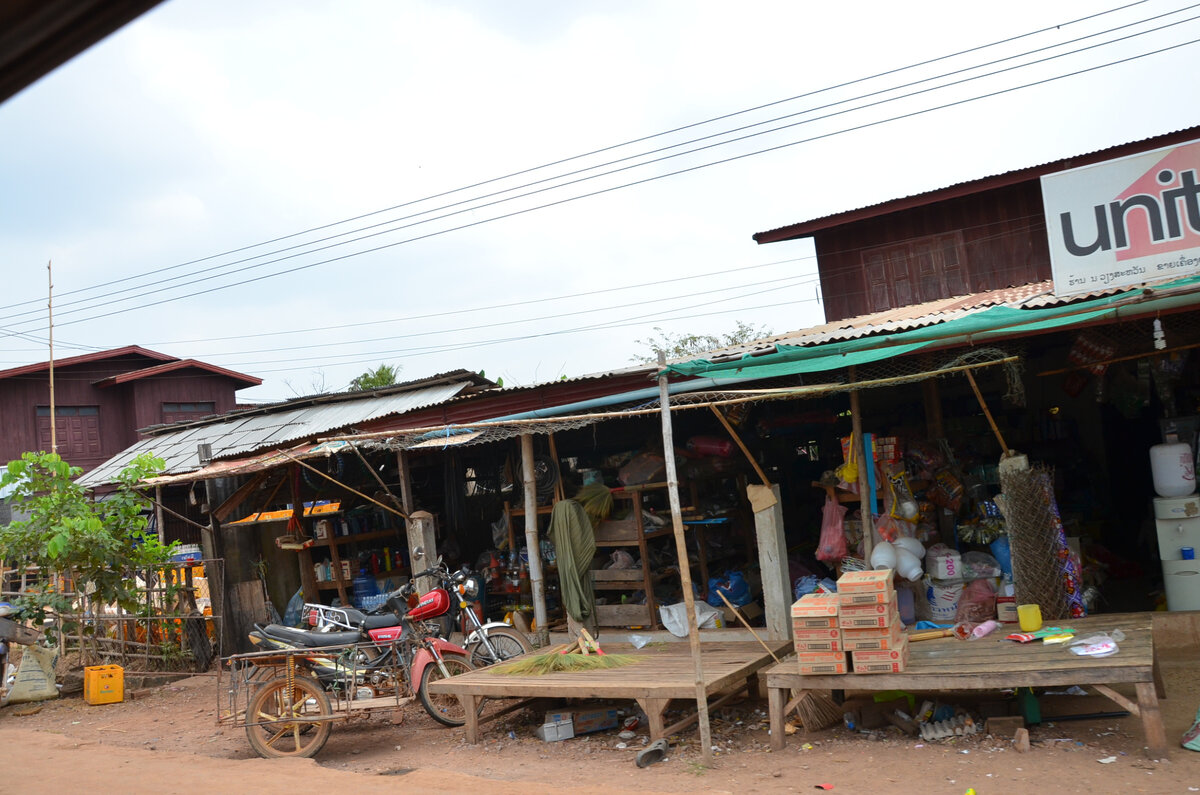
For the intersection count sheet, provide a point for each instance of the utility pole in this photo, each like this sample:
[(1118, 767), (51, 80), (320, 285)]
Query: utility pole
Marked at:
[(50, 310)]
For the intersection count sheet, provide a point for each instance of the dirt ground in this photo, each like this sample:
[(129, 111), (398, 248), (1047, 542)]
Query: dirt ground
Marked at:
[(166, 740)]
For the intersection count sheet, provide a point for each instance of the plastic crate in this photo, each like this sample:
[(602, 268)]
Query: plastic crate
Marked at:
[(103, 684)]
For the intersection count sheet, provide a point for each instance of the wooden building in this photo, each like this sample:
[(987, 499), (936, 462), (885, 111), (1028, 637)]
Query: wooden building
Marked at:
[(102, 399)]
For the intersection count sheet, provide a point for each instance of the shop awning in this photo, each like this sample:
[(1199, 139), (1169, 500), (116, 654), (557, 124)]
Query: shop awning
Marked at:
[(987, 325)]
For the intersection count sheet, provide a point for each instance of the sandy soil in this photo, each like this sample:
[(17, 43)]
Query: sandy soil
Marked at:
[(167, 741)]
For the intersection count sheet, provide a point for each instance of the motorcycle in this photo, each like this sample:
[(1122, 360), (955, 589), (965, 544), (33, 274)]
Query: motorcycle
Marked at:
[(385, 652), (486, 643)]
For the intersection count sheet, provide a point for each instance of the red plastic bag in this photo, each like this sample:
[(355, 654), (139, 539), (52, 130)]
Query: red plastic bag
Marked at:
[(833, 536), (977, 603)]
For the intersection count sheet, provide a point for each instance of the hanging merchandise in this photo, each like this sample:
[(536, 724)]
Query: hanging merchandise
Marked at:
[(848, 471), (903, 505), (832, 545)]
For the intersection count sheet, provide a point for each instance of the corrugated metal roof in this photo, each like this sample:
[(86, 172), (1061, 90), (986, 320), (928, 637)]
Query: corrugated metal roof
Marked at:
[(809, 227), (244, 433), (1028, 296)]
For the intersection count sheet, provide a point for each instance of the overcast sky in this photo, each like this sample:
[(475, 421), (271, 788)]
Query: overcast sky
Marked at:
[(204, 128)]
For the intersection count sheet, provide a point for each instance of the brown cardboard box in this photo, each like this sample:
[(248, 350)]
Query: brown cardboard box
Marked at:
[(851, 598), (897, 654), (828, 644), (823, 668), (881, 615), (888, 637), (817, 657), (870, 581), (896, 667), (749, 611), (816, 605), (814, 622)]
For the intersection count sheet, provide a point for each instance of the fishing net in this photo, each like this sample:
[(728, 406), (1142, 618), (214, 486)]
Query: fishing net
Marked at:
[(1044, 571)]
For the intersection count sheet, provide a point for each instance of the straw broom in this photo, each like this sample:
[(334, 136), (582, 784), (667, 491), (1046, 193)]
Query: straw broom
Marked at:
[(816, 710), (582, 654)]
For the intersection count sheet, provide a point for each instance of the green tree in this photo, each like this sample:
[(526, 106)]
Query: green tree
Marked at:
[(381, 376), (681, 346), (102, 545)]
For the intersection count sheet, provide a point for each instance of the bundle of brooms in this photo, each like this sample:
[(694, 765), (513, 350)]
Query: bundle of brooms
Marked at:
[(582, 654)]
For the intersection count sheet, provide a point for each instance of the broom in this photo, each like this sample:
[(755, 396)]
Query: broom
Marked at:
[(817, 711), (582, 654)]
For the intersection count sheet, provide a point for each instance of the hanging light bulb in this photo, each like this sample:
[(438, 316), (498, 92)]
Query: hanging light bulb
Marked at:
[(1160, 339)]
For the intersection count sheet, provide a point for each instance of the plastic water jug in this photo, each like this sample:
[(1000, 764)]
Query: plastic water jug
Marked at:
[(1172, 467)]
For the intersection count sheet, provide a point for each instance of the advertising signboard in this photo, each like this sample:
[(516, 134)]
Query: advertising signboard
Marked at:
[(1125, 221)]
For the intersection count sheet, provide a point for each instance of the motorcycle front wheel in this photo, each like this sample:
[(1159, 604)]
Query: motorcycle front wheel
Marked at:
[(508, 643), (443, 707), (280, 723)]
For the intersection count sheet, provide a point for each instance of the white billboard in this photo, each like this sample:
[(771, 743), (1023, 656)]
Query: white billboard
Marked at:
[(1125, 221)]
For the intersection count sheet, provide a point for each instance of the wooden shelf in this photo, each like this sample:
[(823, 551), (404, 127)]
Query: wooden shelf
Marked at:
[(376, 535)]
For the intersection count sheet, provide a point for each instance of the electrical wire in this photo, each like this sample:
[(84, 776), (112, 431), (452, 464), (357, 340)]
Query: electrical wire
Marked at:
[(845, 84), (477, 207)]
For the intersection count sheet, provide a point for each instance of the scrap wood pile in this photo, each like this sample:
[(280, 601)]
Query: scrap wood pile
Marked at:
[(582, 654)]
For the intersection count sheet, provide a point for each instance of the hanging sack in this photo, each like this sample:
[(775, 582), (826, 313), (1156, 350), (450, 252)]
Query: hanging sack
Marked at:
[(833, 535)]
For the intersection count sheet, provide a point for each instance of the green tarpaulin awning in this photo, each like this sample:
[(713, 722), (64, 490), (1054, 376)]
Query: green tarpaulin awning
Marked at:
[(987, 325)]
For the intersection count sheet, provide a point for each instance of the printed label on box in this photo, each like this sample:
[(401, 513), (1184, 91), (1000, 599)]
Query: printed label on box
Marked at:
[(814, 622), (863, 622), (879, 668), (811, 669), (828, 644)]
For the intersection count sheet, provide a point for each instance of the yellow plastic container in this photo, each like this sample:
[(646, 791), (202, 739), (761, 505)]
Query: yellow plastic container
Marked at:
[(104, 684)]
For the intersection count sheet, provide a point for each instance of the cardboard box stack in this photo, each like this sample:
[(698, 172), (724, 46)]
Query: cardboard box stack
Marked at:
[(818, 637), (870, 622)]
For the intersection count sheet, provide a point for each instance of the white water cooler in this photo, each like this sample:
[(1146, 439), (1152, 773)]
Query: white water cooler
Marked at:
[(1178, 523)]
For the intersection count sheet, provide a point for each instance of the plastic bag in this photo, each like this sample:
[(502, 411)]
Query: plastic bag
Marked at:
[(35, 675), (733, 585), (979, 565), (1101, 645), (674, 618), (620, 559), (977, 603), (832, 546)]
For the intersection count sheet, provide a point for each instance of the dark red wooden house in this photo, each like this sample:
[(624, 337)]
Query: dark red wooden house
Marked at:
[(103, 398)]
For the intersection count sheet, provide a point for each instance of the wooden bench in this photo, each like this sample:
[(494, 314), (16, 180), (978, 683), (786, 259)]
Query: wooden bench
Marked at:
[(993, 663), (664, 672)]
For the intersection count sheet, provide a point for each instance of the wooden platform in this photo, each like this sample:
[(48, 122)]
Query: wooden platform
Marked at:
[(993, 663), (662, 673)]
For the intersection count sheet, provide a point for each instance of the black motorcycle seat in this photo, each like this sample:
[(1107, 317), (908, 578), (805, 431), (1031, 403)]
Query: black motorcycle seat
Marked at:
[(359, 618), (310, 639)]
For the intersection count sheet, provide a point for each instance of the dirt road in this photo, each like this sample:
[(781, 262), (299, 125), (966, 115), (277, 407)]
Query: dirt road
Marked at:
[(167, 741)]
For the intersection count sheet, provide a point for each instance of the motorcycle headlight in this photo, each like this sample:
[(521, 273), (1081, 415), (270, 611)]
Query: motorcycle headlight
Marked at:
[(470, 588)]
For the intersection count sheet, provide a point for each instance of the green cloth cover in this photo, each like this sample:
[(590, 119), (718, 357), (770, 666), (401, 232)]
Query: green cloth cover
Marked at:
[(574, 546)]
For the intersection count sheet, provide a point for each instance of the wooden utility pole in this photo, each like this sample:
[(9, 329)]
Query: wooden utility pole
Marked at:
[(50, 316), (685, 569), (537, 581)]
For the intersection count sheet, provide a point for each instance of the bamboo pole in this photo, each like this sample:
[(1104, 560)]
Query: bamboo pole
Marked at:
[(158, 514), (724, 421), (685, 569), (987, 413), (537, 581), (856, 439)]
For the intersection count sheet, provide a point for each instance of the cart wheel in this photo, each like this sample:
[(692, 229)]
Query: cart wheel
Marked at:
[(508, 643), (296, 733), (443, 707)]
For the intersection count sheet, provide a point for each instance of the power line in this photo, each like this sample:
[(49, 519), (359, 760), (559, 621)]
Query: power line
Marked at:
[(528, 194), (602, 150)]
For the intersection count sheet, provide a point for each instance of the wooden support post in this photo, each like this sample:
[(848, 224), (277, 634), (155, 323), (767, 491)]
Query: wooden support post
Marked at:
[(745, 450), (685, 569), (536, 580), (987, 413), (422, 546), (772, 560), (406, 492), (932, 396), (868, 521), (1152, 722), (158, 514)]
